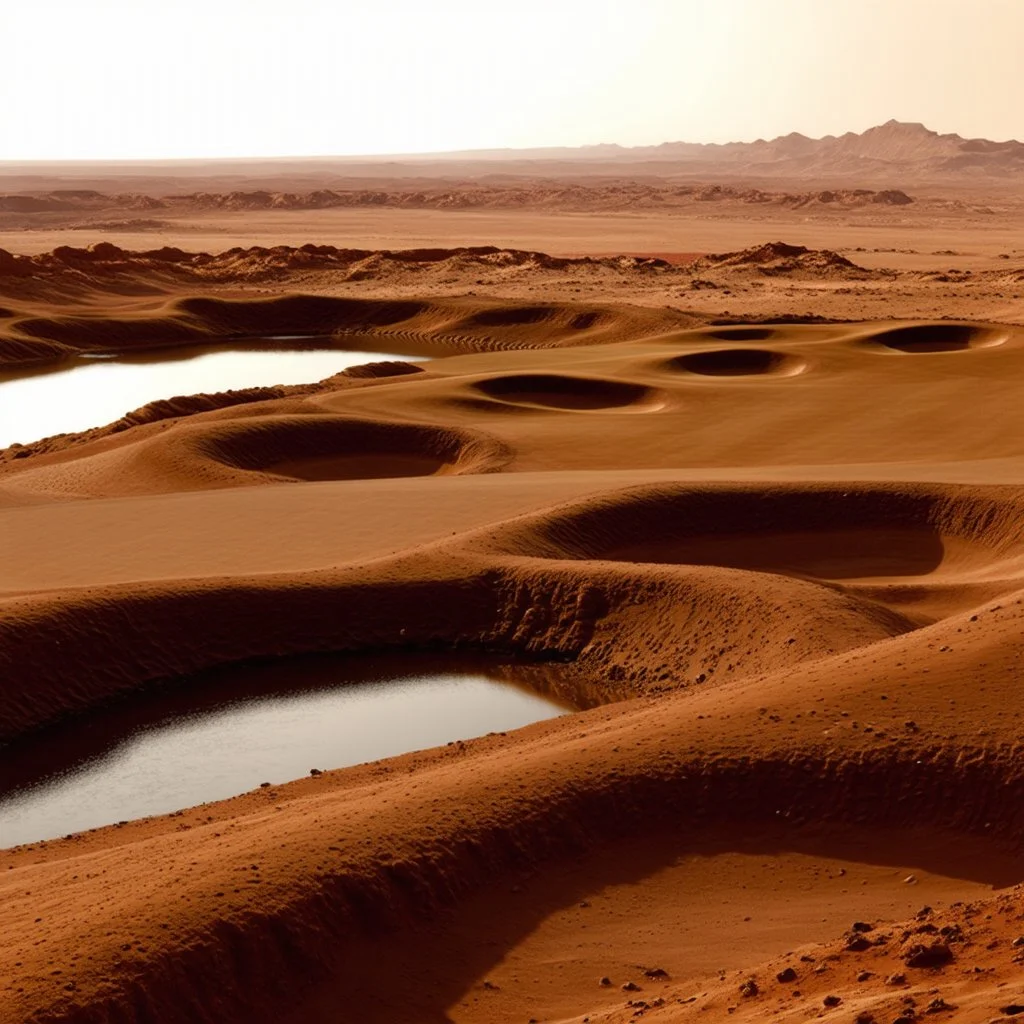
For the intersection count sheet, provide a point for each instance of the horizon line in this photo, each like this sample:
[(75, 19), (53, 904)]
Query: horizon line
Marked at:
[(470, 152)]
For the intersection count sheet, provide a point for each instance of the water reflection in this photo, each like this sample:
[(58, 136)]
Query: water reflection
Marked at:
[(225, 732), (101, 387)]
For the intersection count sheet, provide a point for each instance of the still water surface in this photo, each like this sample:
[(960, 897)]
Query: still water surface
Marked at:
[(93, 391), (225, 732)]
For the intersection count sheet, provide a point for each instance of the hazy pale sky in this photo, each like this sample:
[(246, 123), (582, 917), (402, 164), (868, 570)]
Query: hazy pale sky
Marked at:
[(93, 79)]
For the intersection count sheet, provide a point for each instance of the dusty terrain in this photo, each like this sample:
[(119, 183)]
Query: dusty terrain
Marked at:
[(761, 501)]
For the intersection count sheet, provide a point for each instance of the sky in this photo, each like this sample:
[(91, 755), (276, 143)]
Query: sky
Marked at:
[(157, 79)]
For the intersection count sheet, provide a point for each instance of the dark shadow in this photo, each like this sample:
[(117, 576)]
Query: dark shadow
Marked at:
[(341, 448), (737, 362), (583, 321), (559, 391), (421, 972), (821, 533), (369, 466), (509, 316), (563, 684), (817, 553), (937, 338), (741, 333)]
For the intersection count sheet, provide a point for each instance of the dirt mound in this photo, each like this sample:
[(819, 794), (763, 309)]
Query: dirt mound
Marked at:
[(892, 197), (14, 266), (781, 258), (382, 368)]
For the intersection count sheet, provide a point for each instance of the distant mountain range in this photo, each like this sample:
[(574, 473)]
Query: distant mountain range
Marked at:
[(899, 146), (896, 155)]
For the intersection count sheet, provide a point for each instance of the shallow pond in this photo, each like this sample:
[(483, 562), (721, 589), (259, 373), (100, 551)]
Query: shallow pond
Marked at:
[(225, 732), (99, 389)]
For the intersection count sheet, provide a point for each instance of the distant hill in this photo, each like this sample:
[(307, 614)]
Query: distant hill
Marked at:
[(894, 155), (896, 146)]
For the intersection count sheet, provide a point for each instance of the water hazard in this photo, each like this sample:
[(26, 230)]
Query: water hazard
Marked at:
[(99, 389), (226, 732)]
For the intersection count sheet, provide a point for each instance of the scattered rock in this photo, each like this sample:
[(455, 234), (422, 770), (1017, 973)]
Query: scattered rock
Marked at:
[(786, 976), (604, 982), (655, 973), (749, 988), (315, 771), (938, 954), (892, 197), (832, 1000), (631, 986)]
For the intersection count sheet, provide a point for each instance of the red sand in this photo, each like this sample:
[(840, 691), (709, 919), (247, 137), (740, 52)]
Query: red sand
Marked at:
[(793, 550)]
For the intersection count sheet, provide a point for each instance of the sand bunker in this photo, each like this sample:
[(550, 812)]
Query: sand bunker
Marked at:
[(853, 531), (938, 338), (336, 448), (828, 554), (739, 362), (919, 554), (742, 333), (562, 391)]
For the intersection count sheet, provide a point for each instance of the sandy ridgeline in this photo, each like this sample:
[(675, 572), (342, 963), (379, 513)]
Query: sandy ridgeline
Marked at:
[(786, 560)]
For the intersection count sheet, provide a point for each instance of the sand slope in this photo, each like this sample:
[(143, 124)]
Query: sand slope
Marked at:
[(785, 561)]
